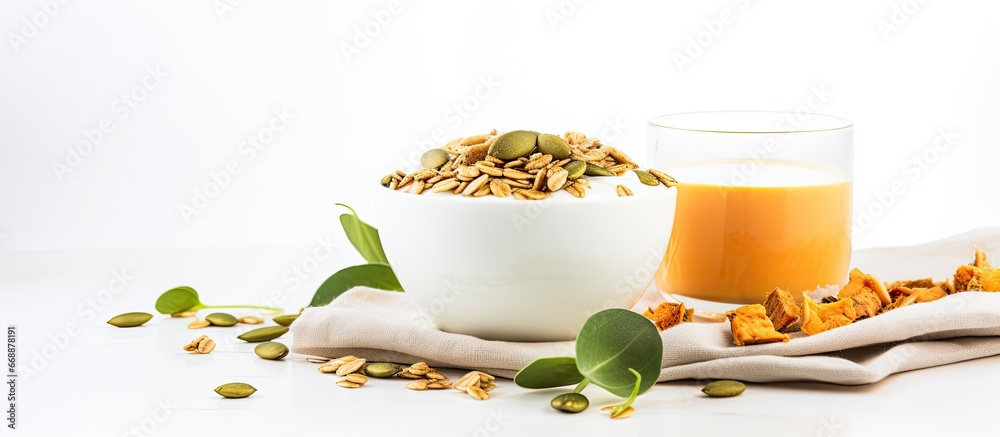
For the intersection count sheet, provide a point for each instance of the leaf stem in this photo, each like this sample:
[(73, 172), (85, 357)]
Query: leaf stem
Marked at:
[(618, 409), (268, 309), (583, 384), (354, 213)]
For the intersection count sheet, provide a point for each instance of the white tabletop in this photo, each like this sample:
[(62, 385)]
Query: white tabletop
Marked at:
[(78, 374)]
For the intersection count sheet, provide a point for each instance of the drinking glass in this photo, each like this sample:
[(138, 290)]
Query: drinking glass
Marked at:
[(763, 201)]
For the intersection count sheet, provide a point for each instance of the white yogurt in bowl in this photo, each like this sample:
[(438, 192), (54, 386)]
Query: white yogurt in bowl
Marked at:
[(522, 270)]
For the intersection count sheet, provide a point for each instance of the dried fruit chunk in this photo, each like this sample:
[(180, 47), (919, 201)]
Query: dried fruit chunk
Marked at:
[(901, 302), (667, 315), (689, 315), (750, 325), (980, 276), (929, 294), (818, 317), (866, 303), (921, 295), (912, 283), (866, 292), (781, 309)]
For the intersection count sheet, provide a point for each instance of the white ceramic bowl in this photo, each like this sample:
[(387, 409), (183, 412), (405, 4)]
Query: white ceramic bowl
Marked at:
[(506, 269)]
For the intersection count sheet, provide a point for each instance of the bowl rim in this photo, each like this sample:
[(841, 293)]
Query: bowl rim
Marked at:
[(441, 197)]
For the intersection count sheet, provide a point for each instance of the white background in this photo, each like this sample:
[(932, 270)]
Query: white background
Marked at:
[(900, 70), (105, 234)]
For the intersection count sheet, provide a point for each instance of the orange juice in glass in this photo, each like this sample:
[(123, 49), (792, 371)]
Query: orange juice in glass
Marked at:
[(763, 201)]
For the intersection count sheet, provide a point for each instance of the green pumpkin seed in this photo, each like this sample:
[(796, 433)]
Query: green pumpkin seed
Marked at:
[(263, 334), (570, 402), (222, 319), (596, 170), (383, 370), (553, 145), (286, 319), (386, 180), (130, 320), (271, 350), (724, 389), (647, 178), (433, 159), (235, 390), (575, 169), (513, 145)]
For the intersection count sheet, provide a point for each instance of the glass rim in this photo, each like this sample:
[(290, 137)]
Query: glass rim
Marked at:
[(832, 123)]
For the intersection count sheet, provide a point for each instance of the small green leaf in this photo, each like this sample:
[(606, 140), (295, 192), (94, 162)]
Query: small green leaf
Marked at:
[(549, 372), (373, 275), (612, 343), (185, 298), (177, 299), (363, 236)]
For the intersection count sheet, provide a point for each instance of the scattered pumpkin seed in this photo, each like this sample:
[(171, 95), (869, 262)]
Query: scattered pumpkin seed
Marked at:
[(222, 319), (553, 145), (724, 388), (596, 170), (570, 402), (432, 159), (385, 180), (647, 178), (263, 334), (130, 320), (383, 369), (271, 350), (286, 319), (235, 390), (513, 145)]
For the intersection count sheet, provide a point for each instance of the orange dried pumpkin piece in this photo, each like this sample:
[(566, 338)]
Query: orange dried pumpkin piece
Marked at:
[(820, 317), (750, 325)]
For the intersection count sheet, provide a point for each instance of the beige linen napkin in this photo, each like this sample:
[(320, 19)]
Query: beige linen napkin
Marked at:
[(386, 326)]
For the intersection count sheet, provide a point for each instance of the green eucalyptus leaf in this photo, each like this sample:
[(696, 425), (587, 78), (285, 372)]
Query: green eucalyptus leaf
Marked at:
[(613, 341), (373, 275), (363, 236), (177, 299), (549, 372)]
